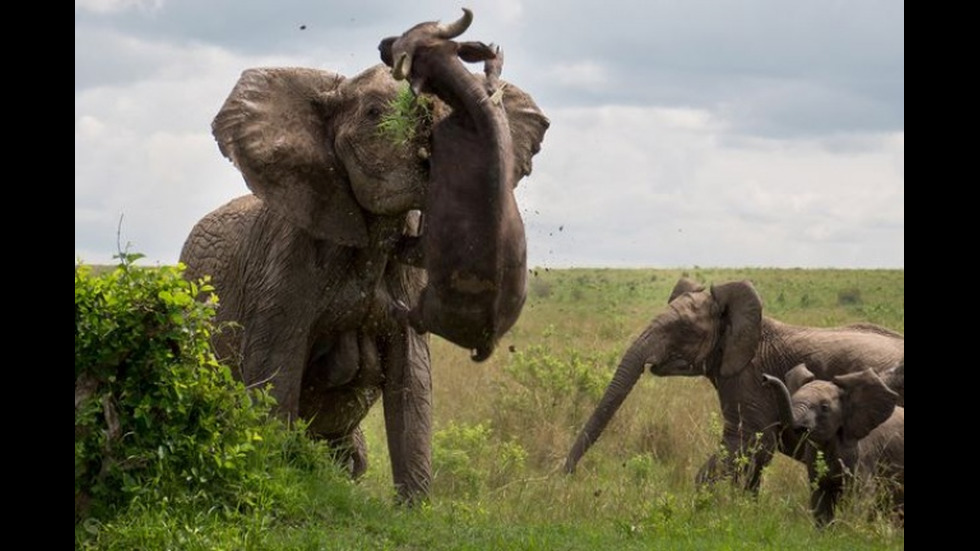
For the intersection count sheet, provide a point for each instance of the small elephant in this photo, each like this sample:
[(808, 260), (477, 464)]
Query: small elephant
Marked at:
[(472, 243), (720, 333), (306, 267), (846, 429)]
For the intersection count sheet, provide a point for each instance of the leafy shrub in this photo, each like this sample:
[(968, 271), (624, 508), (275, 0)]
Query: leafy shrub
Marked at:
[(541, 394), (468, 460), (640, 467), (578, 377), (157, 418)]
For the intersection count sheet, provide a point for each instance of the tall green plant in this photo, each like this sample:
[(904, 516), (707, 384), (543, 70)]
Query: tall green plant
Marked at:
[(157, 418)]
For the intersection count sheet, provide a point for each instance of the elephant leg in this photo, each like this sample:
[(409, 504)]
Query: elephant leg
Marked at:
[(752, 473), (823, 501), (722, 466), (350, 452), (283, 374), (359, 458), (407, 397), (275, 352), (277, 322), (827, 484), (743, 466), (334, 405)]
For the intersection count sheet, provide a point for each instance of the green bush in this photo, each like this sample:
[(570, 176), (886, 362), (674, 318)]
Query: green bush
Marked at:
[(576, 378), (468, 459), (157, 418)]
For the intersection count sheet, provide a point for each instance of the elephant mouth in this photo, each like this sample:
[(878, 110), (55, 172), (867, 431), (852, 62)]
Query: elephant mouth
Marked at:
[(675, 367), (387, 189)]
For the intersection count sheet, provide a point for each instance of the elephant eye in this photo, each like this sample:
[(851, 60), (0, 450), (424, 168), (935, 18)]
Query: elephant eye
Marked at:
[(374, 112), (824, 407)]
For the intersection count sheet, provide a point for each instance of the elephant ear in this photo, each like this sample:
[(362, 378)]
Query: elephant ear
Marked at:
[(684, 285), (797, 377), (868, 402), (527, 127), (894, 377), (274, 128), (742, 324)]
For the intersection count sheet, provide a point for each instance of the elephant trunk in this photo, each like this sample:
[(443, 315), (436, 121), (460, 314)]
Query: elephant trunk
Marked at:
[(784, 402), (790, 439), (627, 374)]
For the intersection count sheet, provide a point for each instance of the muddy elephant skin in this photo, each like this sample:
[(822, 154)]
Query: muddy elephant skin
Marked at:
[(473, 242)]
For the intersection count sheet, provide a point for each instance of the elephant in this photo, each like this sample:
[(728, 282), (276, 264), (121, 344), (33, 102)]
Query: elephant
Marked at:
[(894, 378), (473, 242), (846, 429), (306, 266), (720, 333)]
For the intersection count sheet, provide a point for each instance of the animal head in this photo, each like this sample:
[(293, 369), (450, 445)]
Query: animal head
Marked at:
[(847, 408), (704, 329), (307, 143), (398, 52)]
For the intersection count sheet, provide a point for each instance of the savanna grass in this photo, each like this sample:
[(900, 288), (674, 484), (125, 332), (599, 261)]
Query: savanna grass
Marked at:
[(503, 427), (541, 384)]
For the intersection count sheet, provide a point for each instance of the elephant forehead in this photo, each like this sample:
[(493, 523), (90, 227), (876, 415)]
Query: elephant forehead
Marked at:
[(691, 314), (817, 391), (693, 304), (375, 78)]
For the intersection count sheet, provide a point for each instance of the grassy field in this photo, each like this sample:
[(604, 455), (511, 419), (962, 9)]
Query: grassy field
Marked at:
[(503, 427)]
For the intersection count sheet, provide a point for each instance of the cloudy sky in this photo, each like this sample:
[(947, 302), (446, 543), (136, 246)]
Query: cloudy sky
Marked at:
[(713, 133)]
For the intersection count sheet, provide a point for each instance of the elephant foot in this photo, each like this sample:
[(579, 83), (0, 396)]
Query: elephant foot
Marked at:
[(359, 459), (351, 453)]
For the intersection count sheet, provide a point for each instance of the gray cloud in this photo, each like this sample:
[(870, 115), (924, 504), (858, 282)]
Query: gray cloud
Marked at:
[(726, 133)]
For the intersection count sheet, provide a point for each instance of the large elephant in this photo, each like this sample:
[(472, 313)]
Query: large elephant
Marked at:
[(472, 243), (721, 334), (894, 378), (847, 430), (306, 267)]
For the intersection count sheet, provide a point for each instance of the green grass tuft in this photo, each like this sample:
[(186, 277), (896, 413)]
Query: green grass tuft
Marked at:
[(408, 116)]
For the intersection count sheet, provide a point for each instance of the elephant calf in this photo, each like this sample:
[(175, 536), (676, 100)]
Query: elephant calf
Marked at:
[(473, 243), (847, 430)]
